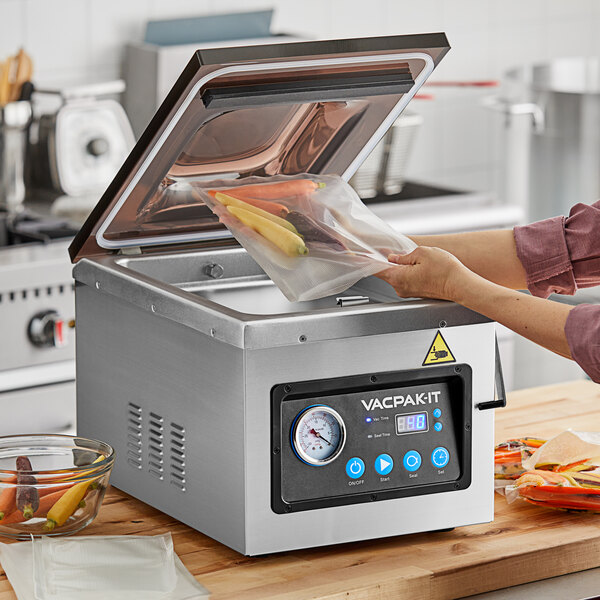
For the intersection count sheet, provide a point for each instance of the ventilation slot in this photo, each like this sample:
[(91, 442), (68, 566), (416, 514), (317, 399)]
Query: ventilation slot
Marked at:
[(156, 446), (29, 294), (178, 456), (134, 435)]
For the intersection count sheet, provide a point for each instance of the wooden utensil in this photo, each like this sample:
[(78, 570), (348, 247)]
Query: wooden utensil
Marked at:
[(22, 72), (5, 82)]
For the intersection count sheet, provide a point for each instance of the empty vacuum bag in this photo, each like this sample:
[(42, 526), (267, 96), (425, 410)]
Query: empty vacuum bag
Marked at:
[(115, 567), (99, 567), (312, 235)]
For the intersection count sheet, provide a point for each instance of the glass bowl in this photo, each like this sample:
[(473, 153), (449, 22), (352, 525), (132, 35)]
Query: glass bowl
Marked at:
[(57, 487)]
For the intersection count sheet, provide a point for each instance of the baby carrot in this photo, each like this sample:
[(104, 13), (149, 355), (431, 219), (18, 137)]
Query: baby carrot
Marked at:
[(68, 502), (277, 190), (8, 498), (55, 488), (279, 210), (228, 200), (46, 503)]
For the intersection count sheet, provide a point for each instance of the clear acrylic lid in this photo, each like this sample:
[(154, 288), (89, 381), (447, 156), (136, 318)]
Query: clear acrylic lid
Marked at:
[(310, 107)]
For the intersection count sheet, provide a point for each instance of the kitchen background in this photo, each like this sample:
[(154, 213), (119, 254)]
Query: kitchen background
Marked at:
[(461, 143), (75, 41)]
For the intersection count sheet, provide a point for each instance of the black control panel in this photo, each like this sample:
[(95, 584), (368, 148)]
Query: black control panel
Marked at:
[(370, 437)]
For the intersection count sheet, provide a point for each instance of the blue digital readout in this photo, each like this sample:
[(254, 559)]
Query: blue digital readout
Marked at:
[(411, 423)]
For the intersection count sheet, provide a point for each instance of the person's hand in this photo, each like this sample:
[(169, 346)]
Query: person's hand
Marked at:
[(426, 273)]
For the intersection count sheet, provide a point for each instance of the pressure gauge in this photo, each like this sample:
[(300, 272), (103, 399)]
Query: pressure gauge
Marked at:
[(318, 435)]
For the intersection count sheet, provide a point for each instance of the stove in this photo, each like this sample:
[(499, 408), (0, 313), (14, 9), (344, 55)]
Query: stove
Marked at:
[(37, 358)]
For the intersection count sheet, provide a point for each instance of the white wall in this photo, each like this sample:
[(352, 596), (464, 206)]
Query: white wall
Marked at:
[(460, 143)]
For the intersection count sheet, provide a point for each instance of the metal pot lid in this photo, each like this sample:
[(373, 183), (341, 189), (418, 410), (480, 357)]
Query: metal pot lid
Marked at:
[(573, 75), (309, 107)]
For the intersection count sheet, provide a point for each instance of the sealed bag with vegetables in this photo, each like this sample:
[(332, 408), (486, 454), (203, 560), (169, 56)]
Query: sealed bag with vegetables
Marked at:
[(563, 473), (311, 235)]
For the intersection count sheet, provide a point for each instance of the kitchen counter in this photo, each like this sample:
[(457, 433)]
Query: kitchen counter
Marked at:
[(524, 543)]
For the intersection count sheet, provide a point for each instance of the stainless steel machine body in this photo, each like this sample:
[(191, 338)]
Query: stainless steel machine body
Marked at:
[(180, 383), (266, 424)]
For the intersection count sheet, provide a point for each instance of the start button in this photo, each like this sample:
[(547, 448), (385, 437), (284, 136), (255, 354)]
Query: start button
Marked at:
[(384, 464)]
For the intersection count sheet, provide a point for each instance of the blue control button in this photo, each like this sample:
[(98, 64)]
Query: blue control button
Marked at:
[(355, 467), (437, 426), (384, 463), (437, 413), (411, 460), (440, 457)]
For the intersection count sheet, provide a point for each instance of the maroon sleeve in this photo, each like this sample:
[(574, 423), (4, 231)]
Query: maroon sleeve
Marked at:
[(561, 255), (583, 336)]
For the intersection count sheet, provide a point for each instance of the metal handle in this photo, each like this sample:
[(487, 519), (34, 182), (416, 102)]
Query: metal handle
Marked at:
[(510, 108), (500, 400), (352, 300)]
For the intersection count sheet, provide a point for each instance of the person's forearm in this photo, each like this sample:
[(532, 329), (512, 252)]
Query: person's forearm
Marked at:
[(491, 254), (541, 321)]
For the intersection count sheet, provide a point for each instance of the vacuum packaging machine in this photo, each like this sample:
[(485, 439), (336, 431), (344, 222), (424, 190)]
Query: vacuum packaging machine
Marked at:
[(270, 425)]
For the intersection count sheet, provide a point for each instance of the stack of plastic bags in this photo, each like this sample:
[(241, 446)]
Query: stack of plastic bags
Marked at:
[(99, 568), (562, 473)]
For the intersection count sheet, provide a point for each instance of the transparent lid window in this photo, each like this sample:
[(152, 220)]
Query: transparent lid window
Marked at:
[(309, 113)]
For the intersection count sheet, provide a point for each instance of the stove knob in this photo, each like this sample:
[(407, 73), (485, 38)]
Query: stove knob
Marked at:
[(97, 147), (47, 330)]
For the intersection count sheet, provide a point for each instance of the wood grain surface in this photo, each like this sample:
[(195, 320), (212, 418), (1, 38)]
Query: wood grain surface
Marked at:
[(524, 543)]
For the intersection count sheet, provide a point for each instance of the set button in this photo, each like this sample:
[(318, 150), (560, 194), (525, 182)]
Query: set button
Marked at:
[(440, 457), (355, 467), (411, 460)]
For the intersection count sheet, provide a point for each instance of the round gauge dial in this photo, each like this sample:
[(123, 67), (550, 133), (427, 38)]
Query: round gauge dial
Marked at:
[(318, 435)]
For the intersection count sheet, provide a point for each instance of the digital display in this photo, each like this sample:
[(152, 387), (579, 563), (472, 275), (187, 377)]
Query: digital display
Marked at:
[(411, 423)]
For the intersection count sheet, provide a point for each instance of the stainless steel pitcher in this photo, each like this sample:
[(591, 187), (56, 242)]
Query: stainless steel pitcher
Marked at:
[(15, 119)]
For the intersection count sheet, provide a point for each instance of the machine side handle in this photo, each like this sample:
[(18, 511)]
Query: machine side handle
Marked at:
[(500, 401)]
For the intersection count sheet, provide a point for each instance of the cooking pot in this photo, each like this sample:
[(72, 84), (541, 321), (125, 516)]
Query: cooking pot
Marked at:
[(553, 153)]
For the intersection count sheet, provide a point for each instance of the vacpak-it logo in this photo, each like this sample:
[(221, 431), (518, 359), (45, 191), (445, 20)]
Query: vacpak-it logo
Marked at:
[(406, 400)]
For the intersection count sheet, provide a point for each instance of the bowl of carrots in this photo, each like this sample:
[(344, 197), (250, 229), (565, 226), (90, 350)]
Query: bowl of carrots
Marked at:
[(51, 484)]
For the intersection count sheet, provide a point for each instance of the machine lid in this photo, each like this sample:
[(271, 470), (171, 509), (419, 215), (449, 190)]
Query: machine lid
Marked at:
[(308, 107)]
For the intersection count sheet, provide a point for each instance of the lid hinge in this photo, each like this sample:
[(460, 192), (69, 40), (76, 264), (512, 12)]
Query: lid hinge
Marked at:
[(130, 251)]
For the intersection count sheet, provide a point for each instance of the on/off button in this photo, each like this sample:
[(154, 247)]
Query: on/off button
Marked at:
[(355, 467)]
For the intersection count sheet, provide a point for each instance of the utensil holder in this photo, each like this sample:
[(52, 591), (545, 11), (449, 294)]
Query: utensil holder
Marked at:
[(15, 119), (383, 171)]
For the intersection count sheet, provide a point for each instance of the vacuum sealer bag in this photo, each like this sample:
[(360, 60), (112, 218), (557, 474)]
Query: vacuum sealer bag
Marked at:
[(311, 234), (114, 567), (509, 457), (563, 473)]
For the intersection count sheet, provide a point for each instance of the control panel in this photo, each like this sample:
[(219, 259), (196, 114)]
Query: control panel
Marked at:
[(370, 437)]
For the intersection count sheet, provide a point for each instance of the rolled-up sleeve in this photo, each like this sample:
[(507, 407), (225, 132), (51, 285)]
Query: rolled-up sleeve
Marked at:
[(583, 336), (561, 255)]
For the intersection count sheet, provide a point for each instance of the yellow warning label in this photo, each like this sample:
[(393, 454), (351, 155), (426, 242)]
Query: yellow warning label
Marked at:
[(438, 352)]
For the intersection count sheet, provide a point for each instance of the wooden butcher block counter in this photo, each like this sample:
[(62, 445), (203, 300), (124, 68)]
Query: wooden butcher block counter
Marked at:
[(524, 543)]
